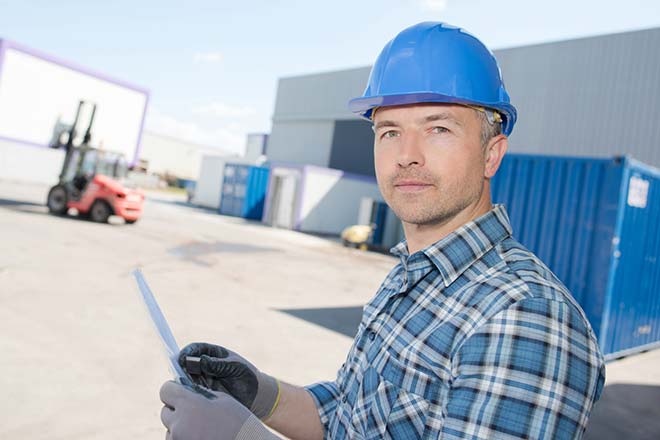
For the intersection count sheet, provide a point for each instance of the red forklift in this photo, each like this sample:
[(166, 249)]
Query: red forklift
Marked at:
[(90, 181)]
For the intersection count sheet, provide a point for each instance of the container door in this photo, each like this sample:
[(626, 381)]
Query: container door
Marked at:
[(233, 190), (227, 190), (378, 218), (282, 209), (373, 212), (257, 183)]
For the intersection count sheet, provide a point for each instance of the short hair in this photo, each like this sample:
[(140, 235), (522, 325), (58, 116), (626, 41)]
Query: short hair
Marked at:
[(488, 129)]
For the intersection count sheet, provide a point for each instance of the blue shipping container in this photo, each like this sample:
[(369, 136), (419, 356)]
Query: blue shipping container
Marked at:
[(379, 218), (596, 224), (244, 191)]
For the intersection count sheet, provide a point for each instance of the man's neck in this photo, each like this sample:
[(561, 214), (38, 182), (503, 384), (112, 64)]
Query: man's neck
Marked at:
[(419, 237)]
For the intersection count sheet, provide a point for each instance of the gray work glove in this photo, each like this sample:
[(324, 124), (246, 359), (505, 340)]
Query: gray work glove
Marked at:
[(223, 370), (194, 413)]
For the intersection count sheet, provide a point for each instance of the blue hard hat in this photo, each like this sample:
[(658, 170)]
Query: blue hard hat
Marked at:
[(436, 62)]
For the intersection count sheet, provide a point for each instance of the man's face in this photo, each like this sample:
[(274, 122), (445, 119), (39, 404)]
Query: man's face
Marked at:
[(429, 160)]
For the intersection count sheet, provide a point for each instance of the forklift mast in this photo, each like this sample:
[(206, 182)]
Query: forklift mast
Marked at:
[(84, 116)]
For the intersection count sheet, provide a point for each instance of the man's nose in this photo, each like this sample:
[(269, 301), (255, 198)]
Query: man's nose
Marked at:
[(410, 151)]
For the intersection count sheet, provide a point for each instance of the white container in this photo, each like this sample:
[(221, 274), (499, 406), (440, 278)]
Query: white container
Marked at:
[(208, 189), (313, 199)]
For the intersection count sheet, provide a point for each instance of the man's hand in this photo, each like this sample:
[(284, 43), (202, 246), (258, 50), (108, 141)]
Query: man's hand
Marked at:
[(194, 413), (220, 369)]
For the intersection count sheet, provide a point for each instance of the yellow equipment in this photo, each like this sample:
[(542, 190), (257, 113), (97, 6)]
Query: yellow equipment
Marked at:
[(357, 236)]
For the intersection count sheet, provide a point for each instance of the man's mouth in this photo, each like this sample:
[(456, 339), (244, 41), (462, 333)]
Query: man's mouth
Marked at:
[(411, 185)]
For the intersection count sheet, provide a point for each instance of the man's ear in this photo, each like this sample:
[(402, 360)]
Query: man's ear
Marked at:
[(495, 151)]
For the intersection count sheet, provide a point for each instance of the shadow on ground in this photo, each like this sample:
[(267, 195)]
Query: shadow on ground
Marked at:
[(626, 411), (17, 204), (344, 320), (182, 203)]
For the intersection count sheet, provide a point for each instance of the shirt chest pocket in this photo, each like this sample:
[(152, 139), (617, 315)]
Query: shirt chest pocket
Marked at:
[(393, 400)]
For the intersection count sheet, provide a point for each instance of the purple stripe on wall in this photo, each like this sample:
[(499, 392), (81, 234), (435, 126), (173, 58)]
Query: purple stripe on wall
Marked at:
[(2, 57), (6, 44), (138, 147), (22, 142), (342, 174), (70, 65)]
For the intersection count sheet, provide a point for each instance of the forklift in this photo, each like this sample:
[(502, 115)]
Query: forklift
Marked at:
[(90, 177)]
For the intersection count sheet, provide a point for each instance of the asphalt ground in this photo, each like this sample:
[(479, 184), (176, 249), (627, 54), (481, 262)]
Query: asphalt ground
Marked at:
[(79, 358)]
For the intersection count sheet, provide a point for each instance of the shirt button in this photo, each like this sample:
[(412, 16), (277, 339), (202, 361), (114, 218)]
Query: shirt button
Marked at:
[(343, 399), (372, 335)]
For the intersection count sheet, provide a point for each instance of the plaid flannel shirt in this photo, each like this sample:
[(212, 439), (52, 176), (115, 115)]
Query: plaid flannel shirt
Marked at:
[(470, 338)]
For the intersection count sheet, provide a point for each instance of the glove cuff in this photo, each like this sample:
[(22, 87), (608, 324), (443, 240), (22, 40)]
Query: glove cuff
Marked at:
[(253, 429), (267, 398)]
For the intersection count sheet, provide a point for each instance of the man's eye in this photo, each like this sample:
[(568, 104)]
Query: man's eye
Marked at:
[(439, 130), (390, 134)]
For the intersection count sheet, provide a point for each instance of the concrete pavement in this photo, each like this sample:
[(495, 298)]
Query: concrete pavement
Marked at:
[(79, 358)]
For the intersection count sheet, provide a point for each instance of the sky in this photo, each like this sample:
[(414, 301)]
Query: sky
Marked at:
[(212, 67)]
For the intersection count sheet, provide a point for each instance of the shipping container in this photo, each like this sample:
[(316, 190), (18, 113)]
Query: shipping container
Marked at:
[(244, 191), (313, 199), (596, 223), (208, 190), (374, 212), (39, 96)]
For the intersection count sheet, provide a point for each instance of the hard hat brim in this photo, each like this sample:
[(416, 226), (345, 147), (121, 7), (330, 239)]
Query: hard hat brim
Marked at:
[(364, 106)]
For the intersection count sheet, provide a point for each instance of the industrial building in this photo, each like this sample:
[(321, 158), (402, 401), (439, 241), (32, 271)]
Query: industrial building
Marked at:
[(595, 96), (39, 97), (166, 155)]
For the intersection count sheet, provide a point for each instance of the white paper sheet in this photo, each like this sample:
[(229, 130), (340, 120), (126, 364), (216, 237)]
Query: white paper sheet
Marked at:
[(163, 329)]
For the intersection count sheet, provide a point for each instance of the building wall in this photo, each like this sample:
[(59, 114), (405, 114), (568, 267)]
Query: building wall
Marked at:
[(331, 200), (352, 147), (593, 96), (174, 156), (305, 110), (39, 96), (319, 95), (28, 163), (302, 142)]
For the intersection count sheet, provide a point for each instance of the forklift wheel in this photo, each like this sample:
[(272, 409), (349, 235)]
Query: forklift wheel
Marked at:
[(57, 200), (100, 212)]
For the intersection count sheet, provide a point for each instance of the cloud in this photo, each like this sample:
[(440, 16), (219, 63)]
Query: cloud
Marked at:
[(229, 139), (207, 57), (220, 110), (434, 5)]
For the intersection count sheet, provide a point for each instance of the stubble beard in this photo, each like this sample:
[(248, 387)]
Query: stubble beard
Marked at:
[(434, 206)]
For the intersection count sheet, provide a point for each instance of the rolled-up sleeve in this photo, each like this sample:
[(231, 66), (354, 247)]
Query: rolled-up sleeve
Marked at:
[(326, 397), (532, 371)]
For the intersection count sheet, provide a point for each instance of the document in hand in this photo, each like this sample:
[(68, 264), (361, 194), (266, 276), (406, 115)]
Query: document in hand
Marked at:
[(163, 329)]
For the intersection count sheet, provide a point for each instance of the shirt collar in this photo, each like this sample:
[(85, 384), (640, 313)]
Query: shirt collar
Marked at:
[(453, 254)]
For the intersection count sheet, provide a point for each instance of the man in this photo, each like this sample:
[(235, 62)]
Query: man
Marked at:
[(470, 335)]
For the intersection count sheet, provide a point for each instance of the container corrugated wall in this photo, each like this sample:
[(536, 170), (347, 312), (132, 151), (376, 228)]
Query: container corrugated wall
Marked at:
[(243, 191), (253, 206), (632, 322), (572, 212)]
